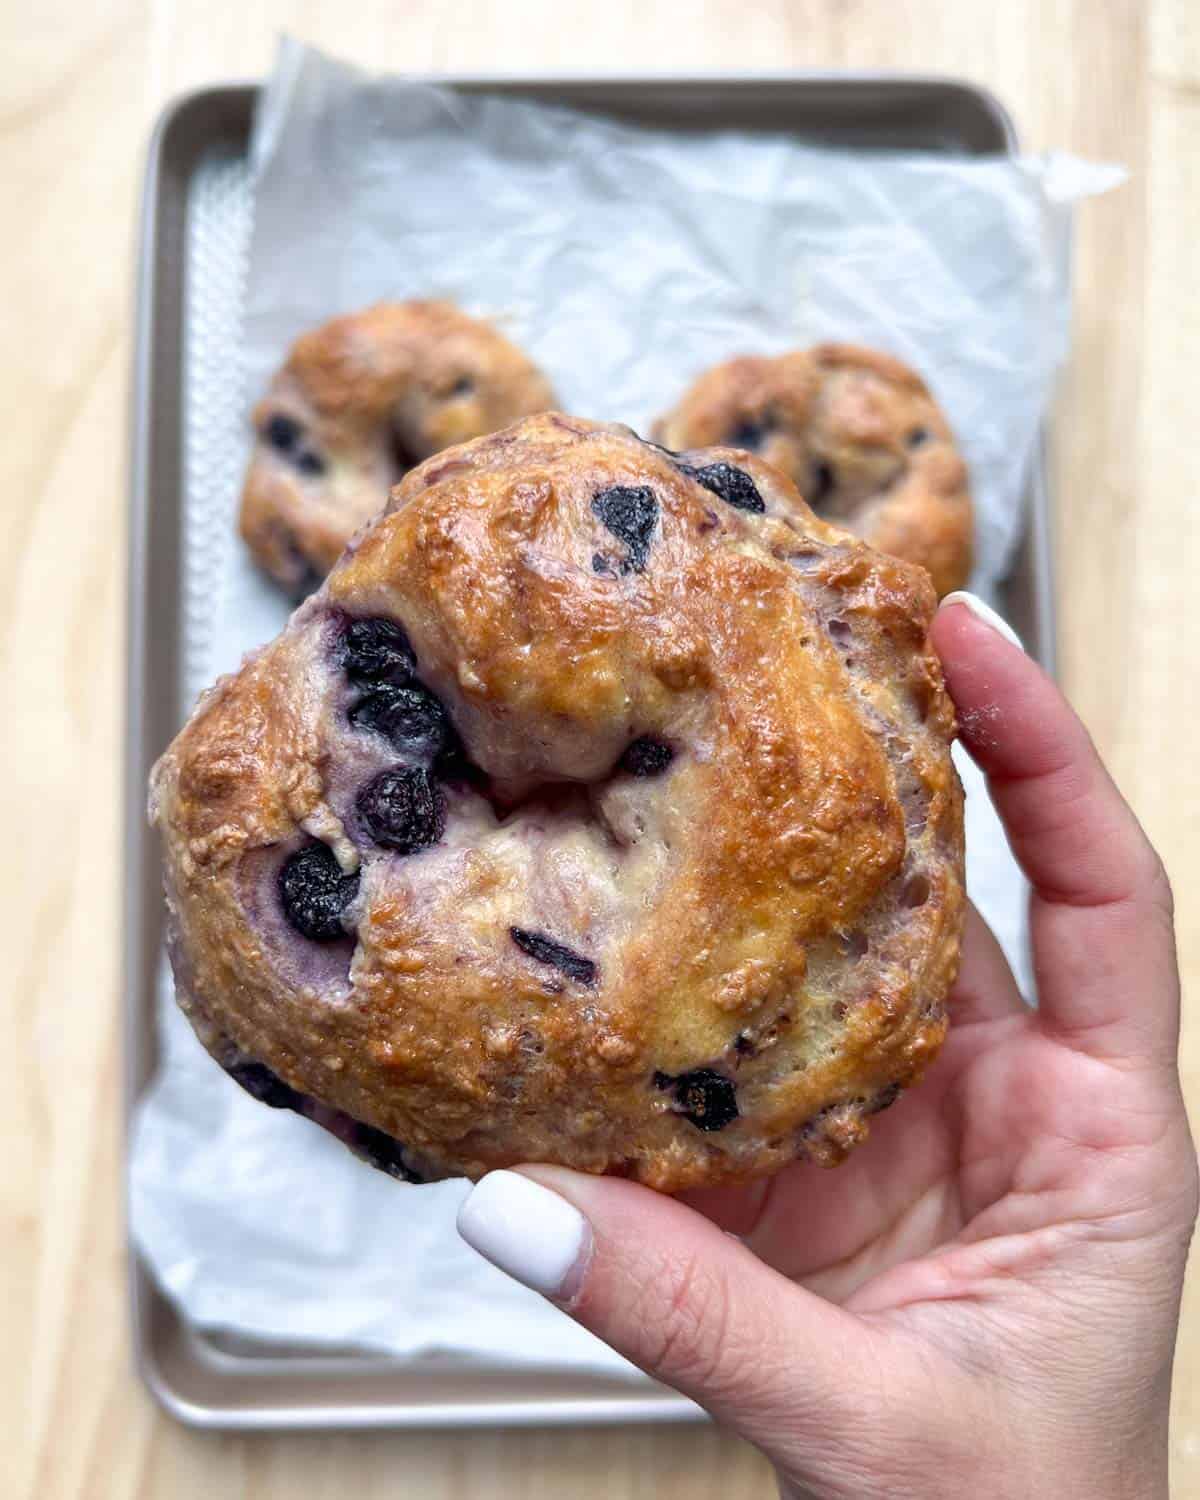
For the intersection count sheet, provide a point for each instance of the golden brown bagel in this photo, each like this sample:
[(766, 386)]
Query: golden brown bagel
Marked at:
[(598, 809), (858, 433), (361, 400)]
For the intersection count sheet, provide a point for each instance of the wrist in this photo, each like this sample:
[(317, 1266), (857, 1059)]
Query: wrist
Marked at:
[(1140, 1473)]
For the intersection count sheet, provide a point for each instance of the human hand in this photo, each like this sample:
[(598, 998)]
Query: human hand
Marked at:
[(984, 1298)]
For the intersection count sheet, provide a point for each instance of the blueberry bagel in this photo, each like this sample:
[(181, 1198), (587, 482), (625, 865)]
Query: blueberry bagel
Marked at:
[(598, 810), (860, 436), (360, 401)]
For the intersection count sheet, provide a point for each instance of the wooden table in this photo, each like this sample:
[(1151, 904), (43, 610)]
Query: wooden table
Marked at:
[(1117, 81)]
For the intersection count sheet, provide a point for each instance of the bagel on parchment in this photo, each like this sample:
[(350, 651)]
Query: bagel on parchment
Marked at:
[(860, 436), (360, 401)]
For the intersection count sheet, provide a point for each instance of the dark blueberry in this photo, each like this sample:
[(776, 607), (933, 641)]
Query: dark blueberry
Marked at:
[(463, 386), (315, 893), (309, 462), (630, 512), (403, 809), (378, 1149), (282, 432), (410, 717), (730, 484), (706, 1098), (917, 436), (822, 485), (377, 650), (646, 757), (267, 1087), (748, 434), (546, 951), (600, 563)]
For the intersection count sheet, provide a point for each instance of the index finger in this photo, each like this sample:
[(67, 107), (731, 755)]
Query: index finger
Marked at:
[(1100, 915)]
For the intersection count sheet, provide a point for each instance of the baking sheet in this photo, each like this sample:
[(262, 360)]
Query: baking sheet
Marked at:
[(231, 1228)]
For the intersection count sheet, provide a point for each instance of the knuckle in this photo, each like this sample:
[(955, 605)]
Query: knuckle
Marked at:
[(685, 1311)]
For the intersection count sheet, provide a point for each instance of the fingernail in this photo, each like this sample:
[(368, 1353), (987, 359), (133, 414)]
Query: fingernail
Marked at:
[(986, 613), (528, 1231)]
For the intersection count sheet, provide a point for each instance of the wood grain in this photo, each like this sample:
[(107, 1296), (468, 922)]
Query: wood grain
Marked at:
[(1117, 80)]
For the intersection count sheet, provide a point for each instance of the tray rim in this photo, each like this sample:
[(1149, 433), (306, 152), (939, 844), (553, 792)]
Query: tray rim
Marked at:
[(145, 1297)]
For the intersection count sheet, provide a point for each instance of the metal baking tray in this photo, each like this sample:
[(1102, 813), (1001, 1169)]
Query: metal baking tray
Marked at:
[(214, 1380)]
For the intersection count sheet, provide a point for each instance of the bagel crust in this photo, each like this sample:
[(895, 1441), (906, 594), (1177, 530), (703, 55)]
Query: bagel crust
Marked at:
[(361, 400), (598, 810), (860, 436)]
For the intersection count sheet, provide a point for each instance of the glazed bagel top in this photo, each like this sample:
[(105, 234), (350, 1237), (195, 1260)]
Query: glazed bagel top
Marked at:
[(859, 434), (599, 809), (361, 400)]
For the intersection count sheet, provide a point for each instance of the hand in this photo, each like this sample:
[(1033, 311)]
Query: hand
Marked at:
[(983, 1300)]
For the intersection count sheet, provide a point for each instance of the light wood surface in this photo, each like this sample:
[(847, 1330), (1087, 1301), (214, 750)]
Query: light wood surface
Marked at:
[(81, 85)]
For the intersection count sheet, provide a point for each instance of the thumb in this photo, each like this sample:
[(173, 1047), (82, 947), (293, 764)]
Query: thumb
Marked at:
[(670, 1291)]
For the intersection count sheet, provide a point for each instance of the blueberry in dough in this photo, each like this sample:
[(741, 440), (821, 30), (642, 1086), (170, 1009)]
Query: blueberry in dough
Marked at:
[(646, 757), (403, 809), (728, 483), (707, 1098), (310, 463), (377, 650), (410, 717), (630, 512), (546, 951), (267, 1087), (378, 1149), (315, 893), (282, 432)]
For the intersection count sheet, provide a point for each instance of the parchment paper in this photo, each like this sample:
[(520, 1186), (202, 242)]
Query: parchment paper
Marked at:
[(625, 260)]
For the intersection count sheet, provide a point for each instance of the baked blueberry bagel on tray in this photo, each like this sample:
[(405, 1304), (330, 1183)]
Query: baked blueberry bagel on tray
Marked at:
[(598, 809), (359, 402), (859, 434)]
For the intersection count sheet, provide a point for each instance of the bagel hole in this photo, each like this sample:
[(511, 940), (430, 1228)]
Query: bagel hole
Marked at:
[(402, 456), (838, 629), (821, 486)]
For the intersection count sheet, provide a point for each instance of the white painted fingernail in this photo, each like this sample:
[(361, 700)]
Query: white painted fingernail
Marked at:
[(986, 613), (528, 1231)]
